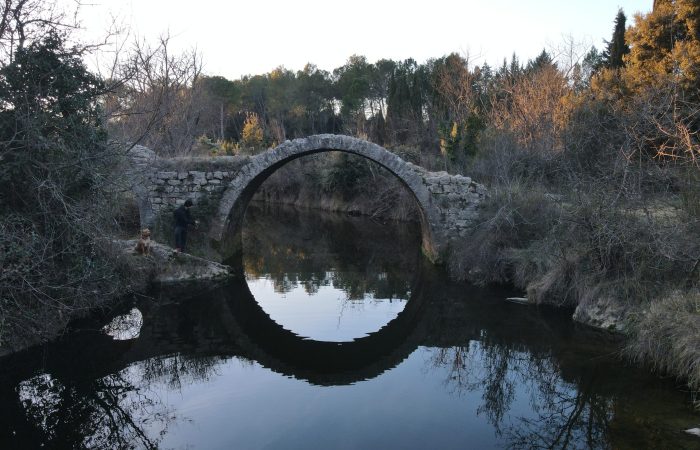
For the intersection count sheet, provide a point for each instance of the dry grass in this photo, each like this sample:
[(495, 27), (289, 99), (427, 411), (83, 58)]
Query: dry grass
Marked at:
[(513, 218), (666, 335)]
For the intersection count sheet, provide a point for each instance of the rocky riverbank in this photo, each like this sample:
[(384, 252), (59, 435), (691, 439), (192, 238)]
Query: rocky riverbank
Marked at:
[(165, 266)]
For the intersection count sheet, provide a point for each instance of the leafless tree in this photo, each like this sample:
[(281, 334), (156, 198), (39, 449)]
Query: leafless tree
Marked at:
[(24, 21), (155, 98)]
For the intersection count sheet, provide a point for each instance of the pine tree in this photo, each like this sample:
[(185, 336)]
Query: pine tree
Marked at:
[(515, 67), (617, 47), (665, 45), (543, 60)]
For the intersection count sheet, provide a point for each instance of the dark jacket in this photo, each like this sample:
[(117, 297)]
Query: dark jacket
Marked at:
[(182, 217)]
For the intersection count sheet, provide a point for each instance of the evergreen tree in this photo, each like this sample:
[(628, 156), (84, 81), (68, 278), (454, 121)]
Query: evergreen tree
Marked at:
[(50, 124), (352, 84), (515, 68), (665, 45), (592, 62), (541, 61), (400, 107), (617, 47), (502, 73)]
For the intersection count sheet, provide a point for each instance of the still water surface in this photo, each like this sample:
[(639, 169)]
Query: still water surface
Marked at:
[(338, 336)]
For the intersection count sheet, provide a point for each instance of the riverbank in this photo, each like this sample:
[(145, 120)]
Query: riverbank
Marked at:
[(162, 266), (623, 265)]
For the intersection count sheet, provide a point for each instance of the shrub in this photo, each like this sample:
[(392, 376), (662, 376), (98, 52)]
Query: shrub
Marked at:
[(512, 218), (54, 192), (666, 335)]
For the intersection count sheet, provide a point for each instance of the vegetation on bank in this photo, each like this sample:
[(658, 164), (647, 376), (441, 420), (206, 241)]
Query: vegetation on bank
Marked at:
[(56, 260), (591, 158)]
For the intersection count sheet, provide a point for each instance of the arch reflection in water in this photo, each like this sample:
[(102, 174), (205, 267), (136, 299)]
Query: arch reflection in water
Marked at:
[(322, 362), (365, 267), (327, 277)]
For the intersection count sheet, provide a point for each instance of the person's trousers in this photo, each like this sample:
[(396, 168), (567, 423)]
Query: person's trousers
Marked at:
[(180, 238)]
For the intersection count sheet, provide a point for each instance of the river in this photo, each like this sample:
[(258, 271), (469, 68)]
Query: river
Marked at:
[(338, 334)]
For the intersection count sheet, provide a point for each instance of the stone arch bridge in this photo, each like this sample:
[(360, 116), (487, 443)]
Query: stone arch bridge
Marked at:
[(222, 187)]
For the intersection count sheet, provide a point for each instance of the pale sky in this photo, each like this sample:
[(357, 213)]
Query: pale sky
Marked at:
[(255, 36)]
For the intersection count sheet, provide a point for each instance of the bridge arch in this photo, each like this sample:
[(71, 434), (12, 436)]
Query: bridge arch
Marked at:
[(226, 225)]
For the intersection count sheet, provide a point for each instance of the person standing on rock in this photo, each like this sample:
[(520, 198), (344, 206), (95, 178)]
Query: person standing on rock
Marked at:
[(182, 220)]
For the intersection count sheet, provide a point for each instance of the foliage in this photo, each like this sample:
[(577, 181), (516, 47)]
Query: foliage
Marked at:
[(345, 175), (516, 215), (252, 135), (23, 22), (50, 115), (534, 112), (594, 187), (665, 45), (592, 162), (55, 168)]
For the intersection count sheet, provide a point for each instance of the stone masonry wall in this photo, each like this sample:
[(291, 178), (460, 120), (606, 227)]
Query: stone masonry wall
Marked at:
[(163, 184), (170, 188), (457, 198)]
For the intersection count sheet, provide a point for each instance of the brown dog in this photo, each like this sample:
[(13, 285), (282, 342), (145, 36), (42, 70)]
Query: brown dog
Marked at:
[(143, 246)]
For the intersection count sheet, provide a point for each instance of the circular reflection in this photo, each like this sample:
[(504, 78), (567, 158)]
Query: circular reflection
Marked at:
[(326, 276), (326, 314)]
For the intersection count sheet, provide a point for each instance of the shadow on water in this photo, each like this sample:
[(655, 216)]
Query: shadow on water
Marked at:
[(533, 378)]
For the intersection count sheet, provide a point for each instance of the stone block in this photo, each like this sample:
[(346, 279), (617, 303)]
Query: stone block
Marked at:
[(167, 175)]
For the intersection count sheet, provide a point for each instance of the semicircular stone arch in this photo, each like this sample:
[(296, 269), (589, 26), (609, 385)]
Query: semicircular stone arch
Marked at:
[(226, 225)]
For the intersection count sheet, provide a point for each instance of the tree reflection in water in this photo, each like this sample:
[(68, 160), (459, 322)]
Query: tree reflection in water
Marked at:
[(109, 412), (298, 248), (566, 415), (120, 410)]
